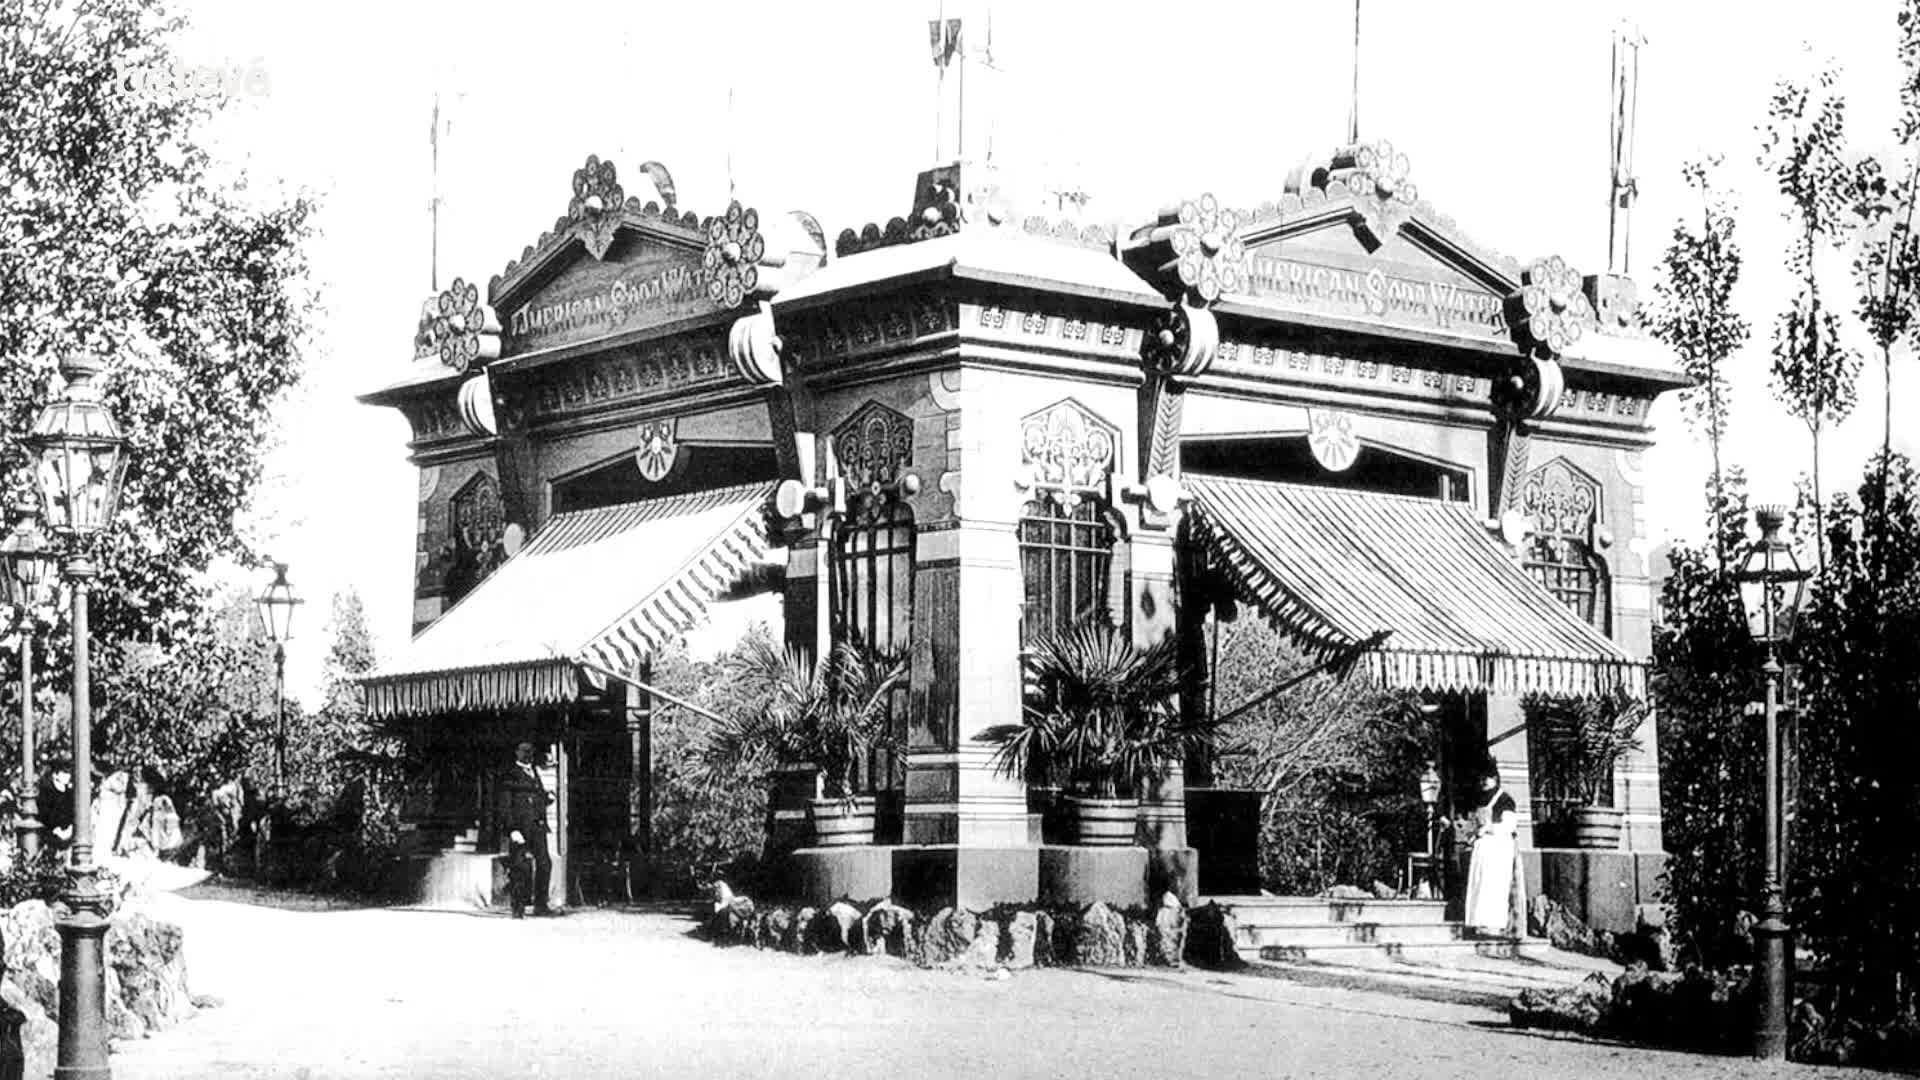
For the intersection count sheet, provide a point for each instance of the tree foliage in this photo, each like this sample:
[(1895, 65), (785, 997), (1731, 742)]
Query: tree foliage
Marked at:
[(1693, 311), (1337, 760), (118, 240), (704, 826), (1705, 673), (1814, 372), (1856, 887)]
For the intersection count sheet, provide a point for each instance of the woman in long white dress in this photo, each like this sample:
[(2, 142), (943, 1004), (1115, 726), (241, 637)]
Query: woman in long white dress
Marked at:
[(1490, 876)]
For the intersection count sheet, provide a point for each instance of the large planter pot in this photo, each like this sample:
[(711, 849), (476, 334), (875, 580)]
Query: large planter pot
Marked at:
[(1595, 828), (1104, 822), (838, 823)]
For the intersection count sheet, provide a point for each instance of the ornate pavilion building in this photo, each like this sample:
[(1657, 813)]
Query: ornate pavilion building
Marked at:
[(966, 427)]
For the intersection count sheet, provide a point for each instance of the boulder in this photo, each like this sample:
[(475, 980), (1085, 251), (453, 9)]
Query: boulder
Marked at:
[(33, 953), (733, 922), (838, 928), (1099, 939), (1018, 933), (886, 928), (1133, 947), (1211, 931), (949, 936), (775, 924), (1550, 919), (1167, 933), (1583, 1008), (1046, 936), (800, 937), (146, 959), (984, 950)]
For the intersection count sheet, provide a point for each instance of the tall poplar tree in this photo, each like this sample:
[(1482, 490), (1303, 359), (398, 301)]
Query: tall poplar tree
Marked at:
[(1886, 268), (1693, 314), (1814, 371)]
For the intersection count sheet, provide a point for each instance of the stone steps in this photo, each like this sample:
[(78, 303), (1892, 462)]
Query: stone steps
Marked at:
[(1292, 928)]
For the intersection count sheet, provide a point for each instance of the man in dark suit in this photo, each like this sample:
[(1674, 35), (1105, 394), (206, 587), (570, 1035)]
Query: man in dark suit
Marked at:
[(524, 799)]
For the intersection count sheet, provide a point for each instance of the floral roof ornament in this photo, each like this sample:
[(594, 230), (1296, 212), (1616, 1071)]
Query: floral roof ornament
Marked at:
[(734, 250), (1208, 252), (1551, 309), (596, 205), (1379, 178), (458, 328)]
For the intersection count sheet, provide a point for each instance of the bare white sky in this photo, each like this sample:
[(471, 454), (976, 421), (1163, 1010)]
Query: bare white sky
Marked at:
[(1501, 105)]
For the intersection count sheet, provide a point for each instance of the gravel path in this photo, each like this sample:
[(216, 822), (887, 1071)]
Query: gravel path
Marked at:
[(341, 992)]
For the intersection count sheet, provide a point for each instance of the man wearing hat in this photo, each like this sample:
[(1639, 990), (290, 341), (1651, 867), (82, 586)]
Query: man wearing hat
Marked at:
[(524, 799)]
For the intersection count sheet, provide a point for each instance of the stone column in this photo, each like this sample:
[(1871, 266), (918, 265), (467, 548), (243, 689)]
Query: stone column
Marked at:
[(966, 678)]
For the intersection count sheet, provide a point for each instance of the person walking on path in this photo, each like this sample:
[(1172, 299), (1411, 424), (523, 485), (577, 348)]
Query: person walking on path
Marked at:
[(524, 797)]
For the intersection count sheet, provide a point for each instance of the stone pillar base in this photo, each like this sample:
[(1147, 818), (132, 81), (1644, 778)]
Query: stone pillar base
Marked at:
[(927, 878), (861, 874)]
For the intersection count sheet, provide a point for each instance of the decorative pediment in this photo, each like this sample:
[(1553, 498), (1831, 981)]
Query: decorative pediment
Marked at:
[(1330, 270), (613, 264)]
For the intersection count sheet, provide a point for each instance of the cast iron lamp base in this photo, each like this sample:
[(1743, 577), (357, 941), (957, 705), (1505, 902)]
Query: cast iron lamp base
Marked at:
[(1771, 938), (83, 979)]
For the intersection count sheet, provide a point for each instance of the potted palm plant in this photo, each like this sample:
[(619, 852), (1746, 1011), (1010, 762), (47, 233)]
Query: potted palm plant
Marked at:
[(1102, 722), (1581, 740), (831, 714)]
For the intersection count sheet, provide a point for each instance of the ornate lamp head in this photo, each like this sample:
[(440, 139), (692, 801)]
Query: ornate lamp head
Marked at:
[(1772, 582), (79, 455), (276, 605)]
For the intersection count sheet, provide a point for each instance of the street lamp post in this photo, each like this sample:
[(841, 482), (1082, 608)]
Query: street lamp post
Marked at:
[(1771, 583), (79, 461), (276, 610), (24, 561)]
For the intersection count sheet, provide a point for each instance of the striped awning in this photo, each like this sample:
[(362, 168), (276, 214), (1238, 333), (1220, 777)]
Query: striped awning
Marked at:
[(594, 588), (1331, 567)]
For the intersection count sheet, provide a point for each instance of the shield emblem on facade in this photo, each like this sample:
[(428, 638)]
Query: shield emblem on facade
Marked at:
[(658, 449), (1330, 435)]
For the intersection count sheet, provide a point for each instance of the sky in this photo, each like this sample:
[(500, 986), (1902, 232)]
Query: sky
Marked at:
[(829, 107)]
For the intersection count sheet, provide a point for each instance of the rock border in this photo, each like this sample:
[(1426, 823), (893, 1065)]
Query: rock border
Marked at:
[(1013, 936)]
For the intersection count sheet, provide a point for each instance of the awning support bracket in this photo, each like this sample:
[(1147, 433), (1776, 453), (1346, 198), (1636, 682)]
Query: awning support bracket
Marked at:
[(654, 690), (1345, 659)]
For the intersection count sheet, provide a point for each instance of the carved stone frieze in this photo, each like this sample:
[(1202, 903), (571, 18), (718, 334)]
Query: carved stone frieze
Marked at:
[(633, 374), (1068, 451), (1560, 500), (1323, 365), (873, 447)]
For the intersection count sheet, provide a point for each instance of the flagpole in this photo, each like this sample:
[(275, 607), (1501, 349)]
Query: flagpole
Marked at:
[(1353, 111), (433, 139)]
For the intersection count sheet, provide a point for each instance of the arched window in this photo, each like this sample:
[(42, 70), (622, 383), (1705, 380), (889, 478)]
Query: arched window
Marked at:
[(1562, 505), (1066, 562)]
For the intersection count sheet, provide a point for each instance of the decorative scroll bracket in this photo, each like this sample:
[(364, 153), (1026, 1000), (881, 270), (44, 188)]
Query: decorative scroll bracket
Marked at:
[(1529, 391), (1179, 348)]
